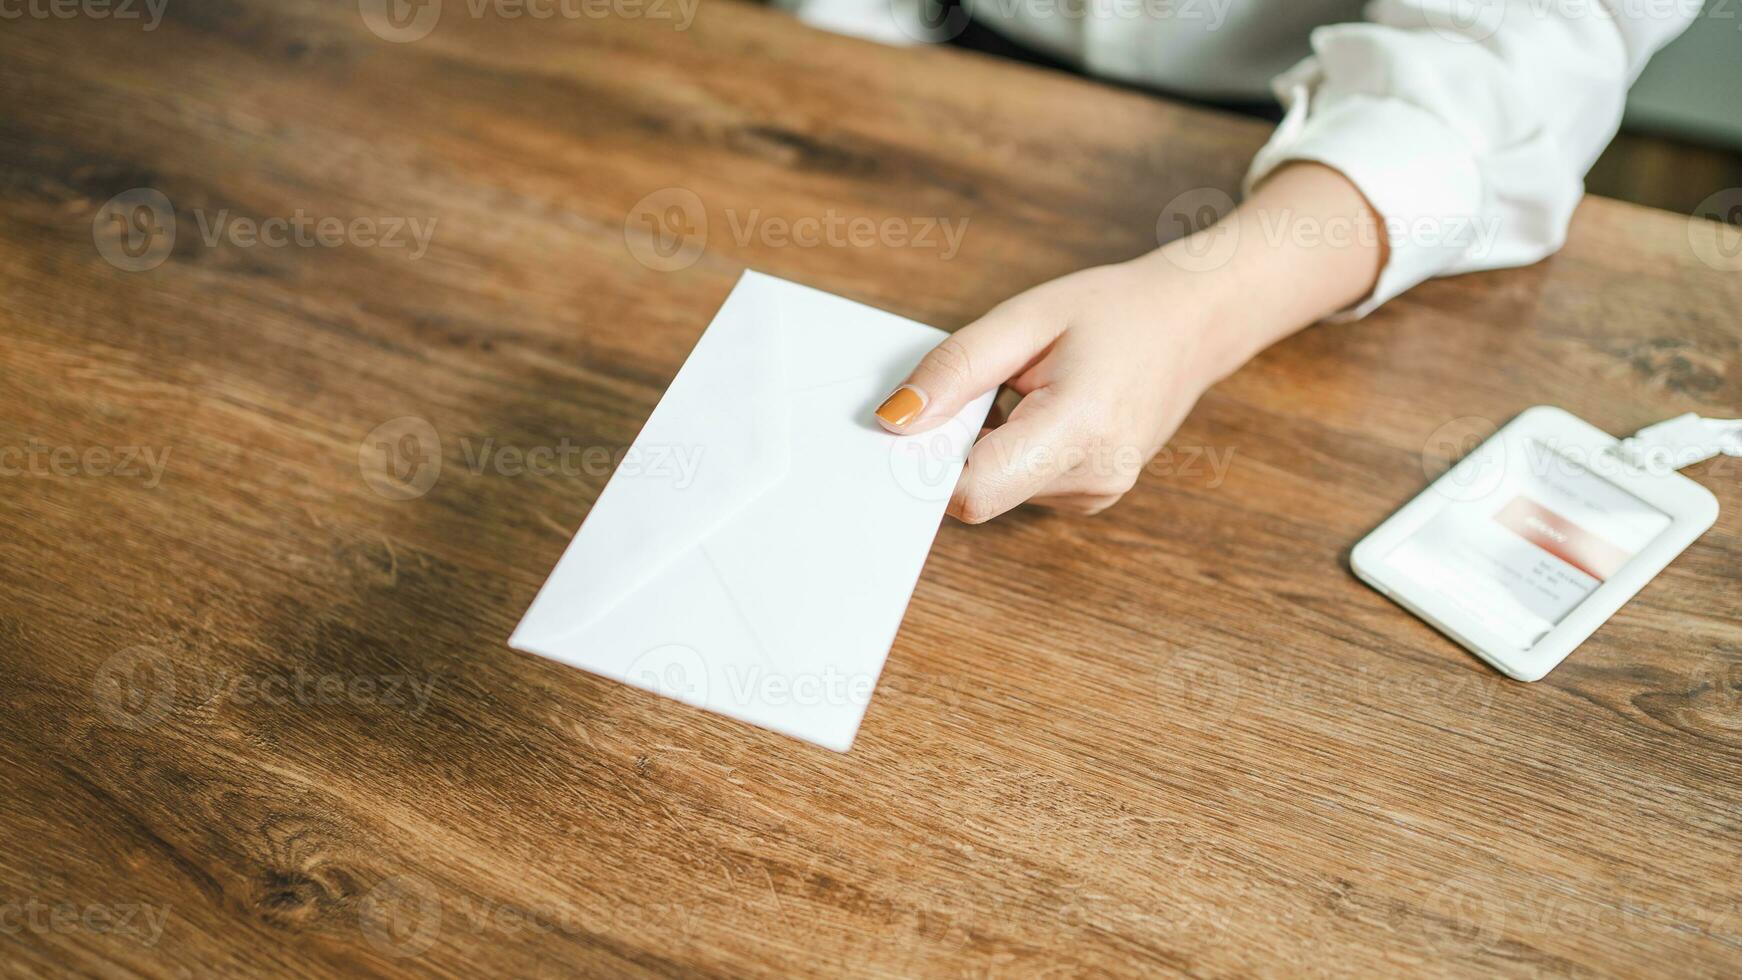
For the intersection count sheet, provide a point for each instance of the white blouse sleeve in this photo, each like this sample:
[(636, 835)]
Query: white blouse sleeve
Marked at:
[(894, 22), (1468, 124)]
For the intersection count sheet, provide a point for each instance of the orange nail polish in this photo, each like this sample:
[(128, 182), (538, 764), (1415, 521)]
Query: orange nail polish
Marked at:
[(902, 406)]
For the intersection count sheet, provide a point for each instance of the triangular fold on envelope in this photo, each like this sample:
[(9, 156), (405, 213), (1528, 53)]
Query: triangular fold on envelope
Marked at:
[(733, 421), (770, 587)]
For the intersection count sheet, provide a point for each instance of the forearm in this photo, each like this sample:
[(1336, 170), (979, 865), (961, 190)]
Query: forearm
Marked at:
[(1304, 245), (1113, 357)]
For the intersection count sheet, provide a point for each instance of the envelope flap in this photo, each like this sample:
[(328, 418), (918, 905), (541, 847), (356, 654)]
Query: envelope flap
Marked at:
[(717, 440)]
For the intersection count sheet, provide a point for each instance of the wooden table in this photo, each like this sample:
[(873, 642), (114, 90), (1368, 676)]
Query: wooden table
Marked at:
[(260, 717)]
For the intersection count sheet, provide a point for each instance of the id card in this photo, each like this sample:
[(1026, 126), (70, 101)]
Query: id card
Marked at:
[(1533, 540)]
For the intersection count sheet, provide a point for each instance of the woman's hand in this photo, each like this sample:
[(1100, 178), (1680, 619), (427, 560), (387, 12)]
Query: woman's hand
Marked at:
[(1109, 361)]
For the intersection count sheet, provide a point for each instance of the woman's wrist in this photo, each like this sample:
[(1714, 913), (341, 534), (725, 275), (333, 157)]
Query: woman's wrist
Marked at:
[(1315, 227), (1306, 244), (1201, 307)]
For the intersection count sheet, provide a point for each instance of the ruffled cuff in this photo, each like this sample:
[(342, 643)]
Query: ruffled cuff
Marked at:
[(898, 23), (1416, 171)]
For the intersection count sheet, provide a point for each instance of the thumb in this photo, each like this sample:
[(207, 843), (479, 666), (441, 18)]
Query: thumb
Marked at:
[(967, 364)]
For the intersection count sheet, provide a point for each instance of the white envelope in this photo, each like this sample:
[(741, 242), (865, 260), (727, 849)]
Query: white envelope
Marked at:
[(754, 552)]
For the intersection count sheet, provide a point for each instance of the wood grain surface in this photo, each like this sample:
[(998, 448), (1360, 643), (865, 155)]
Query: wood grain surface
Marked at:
[(260, 717)]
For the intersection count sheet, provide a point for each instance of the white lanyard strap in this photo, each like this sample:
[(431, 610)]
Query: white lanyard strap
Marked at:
[(1684, 441)]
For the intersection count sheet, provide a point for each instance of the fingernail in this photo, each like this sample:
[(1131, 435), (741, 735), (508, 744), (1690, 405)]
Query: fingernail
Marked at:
[(902, 406)]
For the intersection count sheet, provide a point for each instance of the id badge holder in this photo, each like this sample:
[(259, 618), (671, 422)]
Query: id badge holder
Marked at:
[(1532, 541)]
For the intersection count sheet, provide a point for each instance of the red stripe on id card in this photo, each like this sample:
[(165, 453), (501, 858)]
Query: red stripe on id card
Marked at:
[(1561, 538)]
